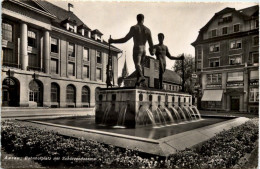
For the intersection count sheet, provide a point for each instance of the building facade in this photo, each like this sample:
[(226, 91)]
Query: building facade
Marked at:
[(226, 61), (50, 58), (171, 80)]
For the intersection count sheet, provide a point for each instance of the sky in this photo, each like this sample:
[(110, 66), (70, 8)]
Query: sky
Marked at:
[(179, 21)]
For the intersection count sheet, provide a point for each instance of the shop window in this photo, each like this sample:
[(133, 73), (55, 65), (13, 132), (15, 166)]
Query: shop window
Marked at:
[(254, 95), (86, 94), (235, 76), (54, 92), (214, 78), (71, 94)]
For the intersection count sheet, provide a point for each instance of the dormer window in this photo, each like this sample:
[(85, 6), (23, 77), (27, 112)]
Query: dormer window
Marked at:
[(97, 35), (225, 18), (70, 25)]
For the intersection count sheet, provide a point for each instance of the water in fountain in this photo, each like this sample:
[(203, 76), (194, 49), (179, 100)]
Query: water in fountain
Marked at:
[(176, 113), (143, 113), (107, 110), (121, 117), (196, 110), (182, 113), (161, 113), (169, 114), (187, 112), (193, 113)]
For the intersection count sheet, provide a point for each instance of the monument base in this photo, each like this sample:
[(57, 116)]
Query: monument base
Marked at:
[(137, 106)]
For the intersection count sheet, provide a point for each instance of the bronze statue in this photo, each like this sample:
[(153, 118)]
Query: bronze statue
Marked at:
[(141, 34), (161, 51)]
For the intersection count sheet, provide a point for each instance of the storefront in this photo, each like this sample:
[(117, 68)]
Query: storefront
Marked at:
[(212, 99), (253, 101)]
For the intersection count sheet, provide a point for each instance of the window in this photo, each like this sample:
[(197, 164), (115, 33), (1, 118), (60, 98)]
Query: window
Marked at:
[(254, 75), (85, 94), (71, 50), (199, 65), (255, 58), (224, 30), (214, 33), (54, 92), (256, 23), (199, 52), (214, 48), (7, 32), (236, 44), (8, 57), (34, 91), (54, 66), (235, 59), (236, 28), (34, 61), (85, 54), (71, 69), (214, 62), (99, 57), (255, 40), (32, 39), (98, 74), (214, 78), (86, 72), (235, 76), (71, 94), (254, 95), (54, 45)]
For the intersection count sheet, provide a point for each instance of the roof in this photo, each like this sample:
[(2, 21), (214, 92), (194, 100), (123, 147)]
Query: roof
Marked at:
[(96, 31), (245, 14), (168, 76), (60, 13)]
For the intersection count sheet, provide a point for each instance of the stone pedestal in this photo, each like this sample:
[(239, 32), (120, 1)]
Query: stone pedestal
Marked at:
[(122, 106)]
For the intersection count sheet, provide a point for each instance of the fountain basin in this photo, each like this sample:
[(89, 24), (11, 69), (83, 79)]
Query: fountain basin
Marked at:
[(132, 107)]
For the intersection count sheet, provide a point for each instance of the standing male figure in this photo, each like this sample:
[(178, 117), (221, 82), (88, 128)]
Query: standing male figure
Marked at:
[(161, 51), (141, 34)]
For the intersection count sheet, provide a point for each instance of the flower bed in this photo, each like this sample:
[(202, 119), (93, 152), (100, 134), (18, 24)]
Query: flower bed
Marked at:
[(222, 151)]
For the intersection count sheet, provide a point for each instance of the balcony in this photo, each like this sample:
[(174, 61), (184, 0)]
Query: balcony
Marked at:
[(39, 69), (11, 64)]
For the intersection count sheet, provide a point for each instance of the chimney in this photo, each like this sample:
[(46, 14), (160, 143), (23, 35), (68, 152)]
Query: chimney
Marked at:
[(70, 7)]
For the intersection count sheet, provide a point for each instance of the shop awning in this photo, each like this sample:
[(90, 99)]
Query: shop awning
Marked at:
[(212, 95)]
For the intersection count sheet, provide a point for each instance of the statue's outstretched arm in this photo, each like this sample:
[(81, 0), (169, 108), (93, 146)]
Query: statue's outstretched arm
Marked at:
[(124, 39), (173, 57)]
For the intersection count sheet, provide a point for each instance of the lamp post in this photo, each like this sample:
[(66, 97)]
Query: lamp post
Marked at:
[(182, 64)]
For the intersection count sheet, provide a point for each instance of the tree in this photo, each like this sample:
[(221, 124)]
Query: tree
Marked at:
[(189, 67)]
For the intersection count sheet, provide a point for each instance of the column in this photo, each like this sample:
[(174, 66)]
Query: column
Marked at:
[(46, 51), (23, 45)]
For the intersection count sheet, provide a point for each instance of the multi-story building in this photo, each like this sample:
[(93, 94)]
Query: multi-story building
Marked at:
[(50, 57), (226, 57), (171, 80)]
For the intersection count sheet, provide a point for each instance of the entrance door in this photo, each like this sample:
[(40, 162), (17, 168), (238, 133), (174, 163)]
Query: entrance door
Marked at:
[(10, 92), (235, 103), (36, 92)]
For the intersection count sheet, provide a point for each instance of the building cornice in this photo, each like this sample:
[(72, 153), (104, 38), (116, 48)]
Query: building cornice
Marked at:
[(226, 37), (84, 39), (33, 9)]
